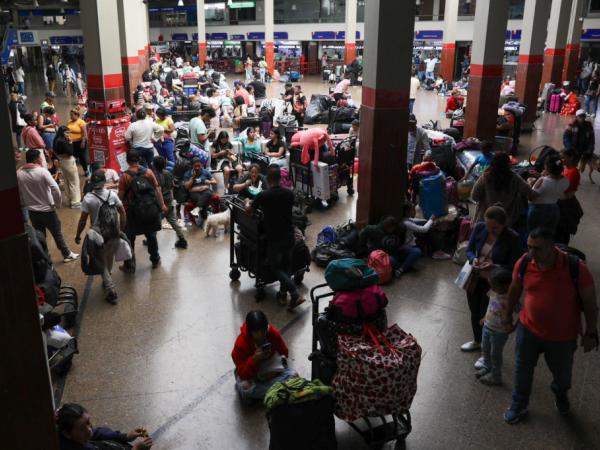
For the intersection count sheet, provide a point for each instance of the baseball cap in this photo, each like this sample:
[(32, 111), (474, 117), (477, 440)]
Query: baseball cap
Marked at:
[(50, 94), (412, 118), (580, 112), (98, 179)]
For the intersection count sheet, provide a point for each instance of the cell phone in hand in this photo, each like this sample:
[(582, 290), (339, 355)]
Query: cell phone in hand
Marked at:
[(266, 347)]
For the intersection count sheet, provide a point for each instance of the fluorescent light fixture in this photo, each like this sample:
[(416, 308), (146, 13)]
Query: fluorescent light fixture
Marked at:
[(240, 5), (36, 4), (180, 3), (214, 6)]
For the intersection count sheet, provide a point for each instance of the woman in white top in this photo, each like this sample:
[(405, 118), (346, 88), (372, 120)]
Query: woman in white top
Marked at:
[(550, 187)]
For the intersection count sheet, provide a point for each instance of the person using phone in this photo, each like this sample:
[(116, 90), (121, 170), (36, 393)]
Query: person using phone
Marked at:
[(259, 356)]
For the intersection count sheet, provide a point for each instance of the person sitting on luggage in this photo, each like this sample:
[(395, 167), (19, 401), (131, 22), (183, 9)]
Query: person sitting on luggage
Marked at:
[(251, 145), (199, 182), (505, 124), (240, 111), (276, 149), (250, 184), (341, 89), (75, 431), (483, 161), (259, 356), (454, 102), (223, 158)]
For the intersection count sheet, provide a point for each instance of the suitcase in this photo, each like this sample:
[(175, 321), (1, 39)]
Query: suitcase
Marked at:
[(546, 93), (308, 425), (452, 191), (433, 198), (443, 156), (294, 76), (246, 122), (555, 103), (324, 180), (326, 74)]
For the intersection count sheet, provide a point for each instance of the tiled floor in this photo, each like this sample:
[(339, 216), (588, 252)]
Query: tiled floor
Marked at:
[(161, 357)]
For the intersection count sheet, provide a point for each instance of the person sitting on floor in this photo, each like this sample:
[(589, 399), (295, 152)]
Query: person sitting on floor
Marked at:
[(223, 157), (388, 235), (571, 103), (198, 183), (276, 149), (75, 431), (250, 184), (454, 102), (259, 356), (418, 226)]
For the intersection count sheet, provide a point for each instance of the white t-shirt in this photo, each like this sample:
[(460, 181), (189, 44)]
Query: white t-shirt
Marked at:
[(91, 203), (415, 85), (342, 86), (111, 175), (143, 133), (430, 64), (19, 75), (550, 190)]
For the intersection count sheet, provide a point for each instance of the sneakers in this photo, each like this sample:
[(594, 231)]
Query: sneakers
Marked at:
[(440, 255), (181, 243), (514, 415), (398, 273), (470, 346), (481, 373), (76, 205), (490, 380), (479, 364), (71, 257), (156, 263), (111, 297), (561, 401)]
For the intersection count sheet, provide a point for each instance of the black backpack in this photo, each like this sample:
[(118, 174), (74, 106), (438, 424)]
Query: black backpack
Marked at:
[(108, 218), (144, 210)]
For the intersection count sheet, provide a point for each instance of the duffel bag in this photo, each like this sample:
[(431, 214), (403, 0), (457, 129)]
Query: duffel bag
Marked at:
[(391, 359), (300, 256), (349, 274), (294, 390), (309, 425), (381, 262), (325, 253), (358, 305)]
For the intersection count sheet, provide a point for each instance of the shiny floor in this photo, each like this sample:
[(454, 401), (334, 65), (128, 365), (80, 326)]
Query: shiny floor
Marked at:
[(160, 358)]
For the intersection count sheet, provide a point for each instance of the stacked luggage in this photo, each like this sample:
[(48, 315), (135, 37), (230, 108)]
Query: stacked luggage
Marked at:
[(372, 368), (340, 119)]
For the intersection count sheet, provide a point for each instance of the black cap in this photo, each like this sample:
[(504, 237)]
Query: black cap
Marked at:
[(412, 118), (98, 179), (50, 94)]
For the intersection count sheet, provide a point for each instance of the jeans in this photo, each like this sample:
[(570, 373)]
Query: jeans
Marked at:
[(21, 87), (249, 74), (165, 149), (42, 220), (278, 255), (559, 359), (18, 137), (591, 104), (406, 258), (108, 254), (411, 105), (545, 215), (150, 239), (478, 304), (492, 346), (256, 390), (421, 75), (429, 75), (171, 217), (263, 74), (146, 155), (48, 139)]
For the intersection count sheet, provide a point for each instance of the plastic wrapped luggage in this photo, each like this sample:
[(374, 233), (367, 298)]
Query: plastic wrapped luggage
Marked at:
[(432, 196), (443, 156), (391, 359)]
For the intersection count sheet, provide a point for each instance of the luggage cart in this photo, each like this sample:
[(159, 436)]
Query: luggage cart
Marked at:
[(317, 184), (248, 254), (345, 153), (376, 431)]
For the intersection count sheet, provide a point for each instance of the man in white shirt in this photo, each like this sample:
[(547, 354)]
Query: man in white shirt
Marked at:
[(430, 67), (40, 195), (19, 75), (341, 89), (141, 136), (90, 207), (415, 85)]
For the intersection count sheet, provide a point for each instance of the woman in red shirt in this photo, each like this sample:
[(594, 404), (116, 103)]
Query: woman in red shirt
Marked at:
[(570, 208)]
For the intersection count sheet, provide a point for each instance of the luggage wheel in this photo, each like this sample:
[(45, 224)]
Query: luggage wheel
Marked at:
[(234, 274)]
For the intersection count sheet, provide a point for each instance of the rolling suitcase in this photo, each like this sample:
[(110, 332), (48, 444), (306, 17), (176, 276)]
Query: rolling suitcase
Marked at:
[(555, 103)]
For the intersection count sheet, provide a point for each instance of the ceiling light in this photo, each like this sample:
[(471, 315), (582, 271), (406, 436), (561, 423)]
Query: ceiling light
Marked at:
[(36, 4), (62, 10), (294, 7), (180, 3)]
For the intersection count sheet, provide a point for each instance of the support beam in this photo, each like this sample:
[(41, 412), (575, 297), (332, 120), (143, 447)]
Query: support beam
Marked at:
[(384, 110), (350, 44), (531, 57), (573, 47), (486, 68), (447, 66), (558, 28), (201, 32)]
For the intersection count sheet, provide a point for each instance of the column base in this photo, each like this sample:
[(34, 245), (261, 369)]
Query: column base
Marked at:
[(484, 95), (529, 75), (448, 61)]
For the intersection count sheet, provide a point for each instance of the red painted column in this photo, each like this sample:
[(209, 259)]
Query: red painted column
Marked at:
[(350, 52), (448, 61), (529, 74), (556, 41), (389, 28), (554, 59), (201, 53), (482, 101), (572, 50), (270, 56), (571, 62)]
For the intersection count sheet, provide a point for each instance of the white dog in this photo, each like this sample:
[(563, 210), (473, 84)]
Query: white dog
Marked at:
[(213, 222)]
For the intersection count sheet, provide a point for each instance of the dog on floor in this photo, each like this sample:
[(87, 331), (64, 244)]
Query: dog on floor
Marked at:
[(214, 221), (592, 163)]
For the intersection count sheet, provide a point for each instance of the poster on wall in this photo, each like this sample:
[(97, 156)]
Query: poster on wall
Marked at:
[(107, 145)]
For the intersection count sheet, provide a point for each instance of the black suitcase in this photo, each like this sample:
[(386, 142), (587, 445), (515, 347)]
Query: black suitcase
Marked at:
[(306, 425), (443, 156), (246, 122)]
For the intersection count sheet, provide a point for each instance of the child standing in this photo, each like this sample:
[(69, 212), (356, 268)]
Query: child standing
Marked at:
[(497, 325)]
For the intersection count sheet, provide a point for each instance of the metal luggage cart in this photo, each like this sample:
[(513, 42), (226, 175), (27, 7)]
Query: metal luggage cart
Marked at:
[(376, 431), (248, 254), (305, 181), (345, 153)]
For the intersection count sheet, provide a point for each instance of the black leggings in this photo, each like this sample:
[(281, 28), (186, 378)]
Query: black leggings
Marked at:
[(478, 303)]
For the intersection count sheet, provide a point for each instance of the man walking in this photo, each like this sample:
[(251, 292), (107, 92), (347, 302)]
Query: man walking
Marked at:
[(276, 205), (91, 206), (557, 286), (40, 195)]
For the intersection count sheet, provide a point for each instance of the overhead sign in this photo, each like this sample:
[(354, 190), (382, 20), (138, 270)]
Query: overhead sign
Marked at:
[(256, 36), (516, 35), (66, 40), (424, 35), (27, 37), (281, 35), (216, 36), (323, 35), (10, 40), (591, 34), (179, 36), (237, 37), (341, 35)]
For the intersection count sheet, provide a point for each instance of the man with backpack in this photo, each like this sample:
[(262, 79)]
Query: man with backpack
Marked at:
[(557, 288), (107, 217), (143, 201)]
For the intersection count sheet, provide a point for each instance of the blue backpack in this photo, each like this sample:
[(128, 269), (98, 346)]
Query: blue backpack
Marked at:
[(327, 235)]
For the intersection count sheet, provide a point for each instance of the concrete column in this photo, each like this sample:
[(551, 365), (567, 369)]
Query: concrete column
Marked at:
[(269, 35), (351, 11), (449, 45), (436, 10), (531, 57), (25, 393), (134, 43), (558, 28), (573, 41), (389, 30), (201, 32), (486, 68)]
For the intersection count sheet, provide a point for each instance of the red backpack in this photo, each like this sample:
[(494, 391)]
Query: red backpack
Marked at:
[(358, 305), (381, 263)]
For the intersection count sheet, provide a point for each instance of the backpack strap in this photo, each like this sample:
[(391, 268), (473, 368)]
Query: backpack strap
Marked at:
[(573, 261), (523, 268), (100, 198)]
